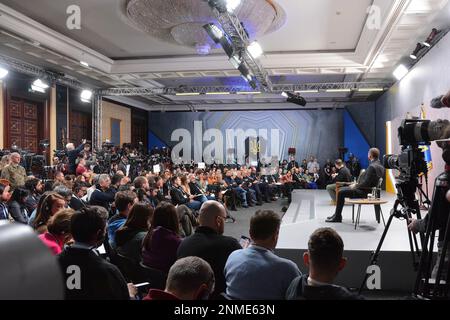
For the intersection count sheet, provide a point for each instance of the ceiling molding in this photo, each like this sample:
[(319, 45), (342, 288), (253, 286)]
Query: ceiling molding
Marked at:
[(28, 28)]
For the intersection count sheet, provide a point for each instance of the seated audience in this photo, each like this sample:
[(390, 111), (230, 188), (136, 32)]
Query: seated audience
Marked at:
[(179, 196), (325, 260), (49, 204), (5, 195), (78, 192), (130, 237), (103, 195), (96, 278), (35, 188), (58, 231), (162, 241), (209, 243), (17, 207), (124, 201), (190, 278), (343, 175), (256, 273)]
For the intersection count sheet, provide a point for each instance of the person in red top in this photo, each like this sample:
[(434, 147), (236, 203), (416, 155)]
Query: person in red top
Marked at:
[(190, 278), (81, 168), (58, 233)]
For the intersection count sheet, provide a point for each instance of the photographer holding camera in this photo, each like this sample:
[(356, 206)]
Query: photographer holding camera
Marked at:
[(72, 155)]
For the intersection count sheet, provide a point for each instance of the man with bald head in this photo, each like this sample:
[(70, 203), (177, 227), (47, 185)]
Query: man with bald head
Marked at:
[(209, 243), (14, 172)]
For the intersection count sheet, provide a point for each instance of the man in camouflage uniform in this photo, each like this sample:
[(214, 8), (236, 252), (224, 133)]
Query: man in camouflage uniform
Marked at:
[(14, 172)]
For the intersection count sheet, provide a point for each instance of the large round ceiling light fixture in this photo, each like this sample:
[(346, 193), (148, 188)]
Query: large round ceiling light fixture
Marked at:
[(181, 21)]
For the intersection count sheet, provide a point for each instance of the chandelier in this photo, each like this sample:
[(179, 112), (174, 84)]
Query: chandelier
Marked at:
[(181, 21)]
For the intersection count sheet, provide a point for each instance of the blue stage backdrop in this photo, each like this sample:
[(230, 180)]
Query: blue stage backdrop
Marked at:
[(221, 136)]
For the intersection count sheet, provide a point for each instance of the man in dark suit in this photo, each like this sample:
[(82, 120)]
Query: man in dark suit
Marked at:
[(209, 243), (368, 180), (87, 275), (343, 175), (79, 191)]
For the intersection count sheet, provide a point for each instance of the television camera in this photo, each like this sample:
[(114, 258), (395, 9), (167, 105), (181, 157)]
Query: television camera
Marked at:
[(413, 135)]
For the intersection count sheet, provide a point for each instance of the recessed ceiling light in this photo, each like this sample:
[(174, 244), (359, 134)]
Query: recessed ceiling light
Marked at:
[(84, 63)]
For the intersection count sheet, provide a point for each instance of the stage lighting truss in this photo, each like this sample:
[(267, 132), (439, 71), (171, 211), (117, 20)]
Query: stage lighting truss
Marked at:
[(276, 89), (239, 40)]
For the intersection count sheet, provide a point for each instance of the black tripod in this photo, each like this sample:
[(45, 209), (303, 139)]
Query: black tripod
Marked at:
[(433, 282), (409, 206)]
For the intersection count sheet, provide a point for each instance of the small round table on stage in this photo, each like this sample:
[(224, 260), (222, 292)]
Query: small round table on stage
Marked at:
[(364, 202)]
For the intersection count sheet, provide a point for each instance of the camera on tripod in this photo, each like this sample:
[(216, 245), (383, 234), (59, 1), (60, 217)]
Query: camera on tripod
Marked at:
[(414, 134)]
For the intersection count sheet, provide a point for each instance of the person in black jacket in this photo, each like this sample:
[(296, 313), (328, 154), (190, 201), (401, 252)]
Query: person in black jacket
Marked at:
[(325, 260), (17, 206), (368, 180), (209, 243), (179, 197), (343, 175), (35, 188), (72, 155), (103, 195), (79, 191), (87, 275)]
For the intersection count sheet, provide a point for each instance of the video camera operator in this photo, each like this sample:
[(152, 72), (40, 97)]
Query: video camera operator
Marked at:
[(72, 155)]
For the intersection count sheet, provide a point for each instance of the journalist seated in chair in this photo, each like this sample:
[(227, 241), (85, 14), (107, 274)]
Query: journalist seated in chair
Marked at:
[(190, 278), (343, 174), (370, 179), (325, 260), (180, 197)]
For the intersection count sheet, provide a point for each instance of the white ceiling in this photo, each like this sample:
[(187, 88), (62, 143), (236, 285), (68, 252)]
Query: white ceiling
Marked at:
[(322, 41)]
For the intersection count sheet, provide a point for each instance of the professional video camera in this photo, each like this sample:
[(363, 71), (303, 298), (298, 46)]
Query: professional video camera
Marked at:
[(414, 134)]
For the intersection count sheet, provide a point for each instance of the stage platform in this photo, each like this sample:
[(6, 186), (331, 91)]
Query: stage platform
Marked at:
[(308, 212)]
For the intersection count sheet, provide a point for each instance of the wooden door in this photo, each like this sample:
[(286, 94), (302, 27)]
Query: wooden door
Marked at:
[(23, 124), (80, 126)]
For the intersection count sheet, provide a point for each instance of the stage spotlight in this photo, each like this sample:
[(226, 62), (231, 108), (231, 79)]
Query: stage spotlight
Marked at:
[(427, 43), (232, 5), (39, 86), (294, 98), (214, 32), (86, 96), (400, 72), (416, 51), (3, 73), (255, 50), (224, 5), (235, 60)]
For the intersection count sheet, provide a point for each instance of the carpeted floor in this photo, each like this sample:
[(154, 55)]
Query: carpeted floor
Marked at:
[(242, 216)]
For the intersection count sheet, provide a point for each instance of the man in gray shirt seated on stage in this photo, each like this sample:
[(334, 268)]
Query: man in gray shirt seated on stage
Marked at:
[(324, 259), (256, 273)]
